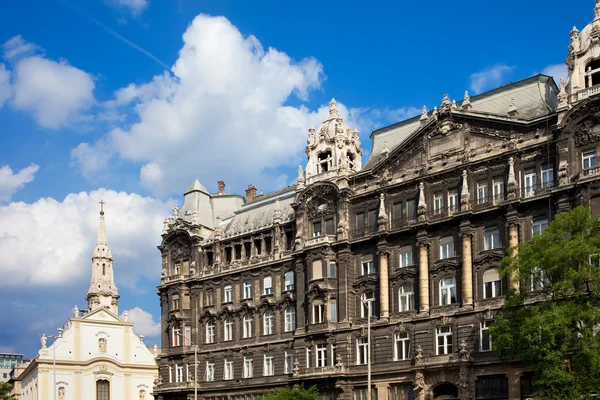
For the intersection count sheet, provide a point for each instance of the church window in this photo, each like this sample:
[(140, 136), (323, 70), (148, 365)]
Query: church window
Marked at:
[(325, 161), (102, 390)]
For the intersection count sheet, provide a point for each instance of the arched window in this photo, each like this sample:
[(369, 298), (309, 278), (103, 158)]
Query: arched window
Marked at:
[(103, 269), (368, 301), (447, 291), (210, 332), (268, 322), (406, 296), (492, 284), (248, 326), (102, 390), (228, 329), (325, 161), (290, 319)]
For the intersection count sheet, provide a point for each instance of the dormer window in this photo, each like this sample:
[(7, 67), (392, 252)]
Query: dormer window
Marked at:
[(325, 161)]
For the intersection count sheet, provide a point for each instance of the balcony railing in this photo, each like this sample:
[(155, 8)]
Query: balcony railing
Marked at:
[(588, 172), (587, 92), (320, 240)]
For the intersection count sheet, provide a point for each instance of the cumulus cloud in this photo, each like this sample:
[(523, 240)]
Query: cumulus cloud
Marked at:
[(489, 78), (16, 47), (224, 110), (5, 87), (136, 7), (58, 238), (557, 71), (11, 182), (144, 322), (91, 159)]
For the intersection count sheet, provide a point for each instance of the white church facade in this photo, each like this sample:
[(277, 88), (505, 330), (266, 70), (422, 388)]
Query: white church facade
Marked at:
[(97, 354)]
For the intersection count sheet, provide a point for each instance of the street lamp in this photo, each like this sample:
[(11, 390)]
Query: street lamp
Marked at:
[(54, 337), (195, 364), (367, 303)]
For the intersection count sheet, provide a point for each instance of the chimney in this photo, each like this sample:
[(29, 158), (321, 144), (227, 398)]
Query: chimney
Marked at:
[(250, 193), (221, 187)]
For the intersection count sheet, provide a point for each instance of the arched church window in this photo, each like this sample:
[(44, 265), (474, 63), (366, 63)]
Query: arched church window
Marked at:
[(102, 390), (103, 269)]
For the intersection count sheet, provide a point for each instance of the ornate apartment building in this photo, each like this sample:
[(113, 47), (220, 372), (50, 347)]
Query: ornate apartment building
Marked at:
[(277, 289)]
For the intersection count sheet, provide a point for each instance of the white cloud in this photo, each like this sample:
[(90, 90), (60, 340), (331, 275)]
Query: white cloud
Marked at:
[(556, 71), (16, 47), (489, 78), (50, 242), (144, 322), (136, 7), (5, 87), (11, 182), (91, 159), (56, 93), (223, 111)]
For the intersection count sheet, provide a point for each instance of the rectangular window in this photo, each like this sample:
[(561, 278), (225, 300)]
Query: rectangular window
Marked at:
[(397, 212), (268, 285), (588, 161), (227, 294), (367, 265), (539, 279), (248, 368), (317, 229), (308, 357), (176, 336), (321, 355), (289, 280), (289, 363), (539, 225), (247, 289), (444, 340), (492, 284), (361, 350), (372, 220), (210, 371), (482, 192), (228, 330), (318, 314), (453, 200), (367, 297), (401, 346), (529, 182), (446, 247), (210, 332), (228, 370), (493, 387), (268, 368), (498, 188), (401, 392), (176, 304), (492, 239), (187, 335), (411, 210), (170, 374), (332, 270), (438, 203), (332, 311), (178, 373), (317, 269), (177, 268), (406, 257), (329, 228), (360, 222), (547, 176), (485, 340), (363, 394), (210, 298)]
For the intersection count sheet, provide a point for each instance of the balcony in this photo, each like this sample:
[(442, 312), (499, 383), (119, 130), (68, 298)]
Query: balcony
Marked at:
[(585, 93), (587, 173), (320, 371), (319, 240)]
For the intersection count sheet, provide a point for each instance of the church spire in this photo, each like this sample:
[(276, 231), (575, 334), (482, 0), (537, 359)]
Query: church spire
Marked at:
[(102, 292)]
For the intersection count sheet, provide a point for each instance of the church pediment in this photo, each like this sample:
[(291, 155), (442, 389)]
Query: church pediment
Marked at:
[(103, 315)]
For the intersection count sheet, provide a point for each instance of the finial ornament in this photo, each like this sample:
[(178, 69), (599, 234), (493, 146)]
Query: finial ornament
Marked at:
[(424, 116), (446, 101), (333, 112), (466, 104)]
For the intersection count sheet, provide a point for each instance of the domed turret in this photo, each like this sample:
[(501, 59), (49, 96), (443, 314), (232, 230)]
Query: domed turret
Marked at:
[(333, 148)]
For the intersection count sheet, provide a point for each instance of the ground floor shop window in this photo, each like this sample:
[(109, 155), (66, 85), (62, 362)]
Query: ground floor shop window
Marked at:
[(492, 387)]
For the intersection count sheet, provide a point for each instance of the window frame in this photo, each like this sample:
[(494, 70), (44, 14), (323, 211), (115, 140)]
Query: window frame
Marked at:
[(401, 346), (227, 370), (289, 281), (320, 355), (448, 292), (290, 319), (228, 294), (485, 343), (446, 347), (210, 371), (248, 368), (491, 238), (364, 310), (482, 191), (268, 366), (247, 290), (228, 329), (362, 351), (405, 256), (248, 326), (447, 244), (209, 332), (406, 300), (268, 322), (367, 266), (267, 289)]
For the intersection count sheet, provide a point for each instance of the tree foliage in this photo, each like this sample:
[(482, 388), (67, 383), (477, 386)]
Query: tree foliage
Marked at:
[(298, 392), (552, 324), (5, 389)]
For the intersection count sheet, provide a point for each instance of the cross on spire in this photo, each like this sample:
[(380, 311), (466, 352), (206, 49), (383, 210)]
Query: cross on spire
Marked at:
[(102, 203)]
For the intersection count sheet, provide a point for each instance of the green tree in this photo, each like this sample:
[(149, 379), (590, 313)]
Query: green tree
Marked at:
[(5, 389), (298, 392), (554, 328)]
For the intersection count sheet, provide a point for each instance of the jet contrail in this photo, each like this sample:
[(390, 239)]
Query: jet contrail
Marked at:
[(117, 35)]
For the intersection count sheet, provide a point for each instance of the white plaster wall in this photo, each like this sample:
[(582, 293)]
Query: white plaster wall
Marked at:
[(89, 341), (64, 346), (29, 386)]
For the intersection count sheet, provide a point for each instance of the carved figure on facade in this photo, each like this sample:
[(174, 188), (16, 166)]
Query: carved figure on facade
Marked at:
[(102, 345), (76, 311), (422, 207), (296, 370), (463, 353), (43, 340), (419, 385), (61, 393), (465, 197), (175, 211), (126, 316), (382, 218), (419, 355), (512, 184)]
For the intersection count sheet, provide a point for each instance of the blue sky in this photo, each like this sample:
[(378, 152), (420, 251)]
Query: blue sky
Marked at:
[(131, 100)]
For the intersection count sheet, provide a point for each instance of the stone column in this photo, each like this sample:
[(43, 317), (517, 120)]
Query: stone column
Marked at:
[(300, 297), (423, 277), (384, 285), (467, 270), (513, 243)]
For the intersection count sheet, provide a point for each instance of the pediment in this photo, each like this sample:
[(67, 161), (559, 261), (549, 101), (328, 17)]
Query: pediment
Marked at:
[(103, 315)]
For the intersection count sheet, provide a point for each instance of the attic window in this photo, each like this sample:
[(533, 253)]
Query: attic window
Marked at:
[(592, 72), (238, 251), (325, 161), (257, 247)]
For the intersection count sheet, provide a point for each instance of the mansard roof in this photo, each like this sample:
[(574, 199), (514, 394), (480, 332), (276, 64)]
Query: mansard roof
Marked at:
[(533, 98)]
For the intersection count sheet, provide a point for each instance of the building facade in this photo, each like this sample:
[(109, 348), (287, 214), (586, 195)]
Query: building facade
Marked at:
[(8, 361), (278, 289), (97, 354)]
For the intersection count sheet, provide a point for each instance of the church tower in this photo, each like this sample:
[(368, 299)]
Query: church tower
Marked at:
[(333, 149), (583, 63), (102, 292)]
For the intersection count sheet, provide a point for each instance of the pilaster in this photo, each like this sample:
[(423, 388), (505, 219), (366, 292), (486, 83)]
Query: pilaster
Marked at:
[(384, 285), (300, 297), (423, 244), (467, 263), (513, 243)]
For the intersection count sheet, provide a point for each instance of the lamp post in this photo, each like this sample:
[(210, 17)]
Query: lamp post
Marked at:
[(195, 364), (367, 303), (54, 337)]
